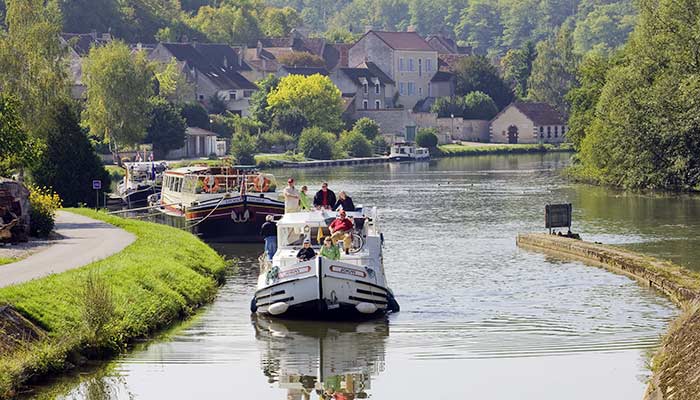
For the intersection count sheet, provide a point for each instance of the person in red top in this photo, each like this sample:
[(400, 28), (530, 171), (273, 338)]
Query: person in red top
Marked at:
[(341, 228)]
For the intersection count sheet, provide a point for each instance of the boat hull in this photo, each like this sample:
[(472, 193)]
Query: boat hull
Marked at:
[(322, 289), (139, 197), (236, 219)]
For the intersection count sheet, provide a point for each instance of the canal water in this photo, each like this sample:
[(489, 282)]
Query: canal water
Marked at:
[(480, 317)]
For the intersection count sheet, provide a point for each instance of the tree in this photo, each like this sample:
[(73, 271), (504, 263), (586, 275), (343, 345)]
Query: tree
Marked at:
[(226, 24), (83, 16), (478, 105), (645, 132), (315, 96), (195, 115), (340, 35), (301, 59), (447, 107), (290, 121), (554, 70), (369, 128), (316, 143), (605, 28), (427, 137), (243, 148), (517, 67), (259, 109), (173, 84), (478, 74), (522, 22), (355, 144), (166, 130), (119, 87), (480, 25), (32, 63), (69, 163), (279, 22), (17, 149)]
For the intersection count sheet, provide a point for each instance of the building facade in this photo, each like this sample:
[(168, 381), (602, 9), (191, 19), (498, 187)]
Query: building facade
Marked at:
[(528, 123)]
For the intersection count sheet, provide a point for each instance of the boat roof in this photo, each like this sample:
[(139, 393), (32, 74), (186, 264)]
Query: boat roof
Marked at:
[(186, 170), (311, 218)]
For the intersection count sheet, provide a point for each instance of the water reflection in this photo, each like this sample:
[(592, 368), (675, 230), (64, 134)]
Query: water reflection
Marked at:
[(319, 359)]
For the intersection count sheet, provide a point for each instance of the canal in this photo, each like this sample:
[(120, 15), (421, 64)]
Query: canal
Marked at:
[(480, 318)]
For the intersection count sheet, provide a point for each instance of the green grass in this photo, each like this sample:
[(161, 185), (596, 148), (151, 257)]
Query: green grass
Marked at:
[(457, 150), (161, 277), (8, 260), (279, 157)]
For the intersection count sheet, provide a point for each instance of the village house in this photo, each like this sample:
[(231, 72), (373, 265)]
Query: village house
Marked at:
[(199, 143), (522, 122), (78, 46), (445, 45), (367, 85), (214, 70)]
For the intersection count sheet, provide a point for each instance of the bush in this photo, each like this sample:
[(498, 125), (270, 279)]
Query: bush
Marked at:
[(43, 204), (221, 125), (274, 138), (355, 144), (368, 127), (195, 115), (427, 137), (479, 105), (243, 148), (291, 121), (380, 145), (167, 128), (316, 143)]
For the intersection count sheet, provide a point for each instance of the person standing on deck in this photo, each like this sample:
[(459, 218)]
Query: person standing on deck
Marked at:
[(291, 197), (304, 201), (269, 233), (344, 202), (325, 198)]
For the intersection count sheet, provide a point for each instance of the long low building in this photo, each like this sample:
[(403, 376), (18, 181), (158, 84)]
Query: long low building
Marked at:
[(524, 122)]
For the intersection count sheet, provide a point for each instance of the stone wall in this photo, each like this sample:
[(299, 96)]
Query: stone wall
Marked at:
[(459, 129), (392, 122)]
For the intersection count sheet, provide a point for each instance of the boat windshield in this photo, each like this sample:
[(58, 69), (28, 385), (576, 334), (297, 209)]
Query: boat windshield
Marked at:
[(293, 236)]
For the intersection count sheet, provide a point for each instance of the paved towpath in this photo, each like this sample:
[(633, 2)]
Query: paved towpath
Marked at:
[(84, 240)]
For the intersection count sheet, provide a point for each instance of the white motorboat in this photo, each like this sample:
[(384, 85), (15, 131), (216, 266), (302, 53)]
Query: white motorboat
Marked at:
[(353, 286), (141, 179), (407, 151)]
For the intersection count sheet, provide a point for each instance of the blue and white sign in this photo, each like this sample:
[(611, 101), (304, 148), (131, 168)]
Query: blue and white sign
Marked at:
[(96, 184)]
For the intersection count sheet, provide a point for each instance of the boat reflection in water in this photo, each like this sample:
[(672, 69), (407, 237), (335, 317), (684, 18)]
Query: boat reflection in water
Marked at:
[(321, 360)]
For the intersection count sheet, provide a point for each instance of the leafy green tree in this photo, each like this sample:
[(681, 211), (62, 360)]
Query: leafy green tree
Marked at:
[(226, 24), (480, 25), (517, 67), (446, 107), (554, 70), (32, 63), (173, 84), (301, 59), (316, 143), (646, 128), (478, 105), (119, 87), (17, 149), (259, 109), (369, 128), (340, 35), (315, 96), (222, 125), (290, 121), (279, 22), (522, 22), (355, 144), (166, 130), (427, 137), (84, 16), (195, 115), (605, 28), (243, 148), (267, 140), (69, 163), (478, 74)]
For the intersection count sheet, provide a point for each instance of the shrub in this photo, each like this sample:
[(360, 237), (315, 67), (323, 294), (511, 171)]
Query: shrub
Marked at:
[(43, 203), (195, 115), (380, 145), (243, 148), (478, 105), (274, 138), (355, 144), (221, 125), (427, 137), (368, 127), (316, 143), (291, 121)]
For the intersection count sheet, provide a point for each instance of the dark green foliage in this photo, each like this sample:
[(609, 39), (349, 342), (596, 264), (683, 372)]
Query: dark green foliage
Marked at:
[(195, 115), (380, 145), (478, 105), (517, 67), (258, 101), (447, 107), (290, 121), (369, 128), (221, 125), (69, 164), (16, 148), (216, 105), (243, 148), (316, 143), (478, 74), (167, 128), (355, 144), (427, 137)]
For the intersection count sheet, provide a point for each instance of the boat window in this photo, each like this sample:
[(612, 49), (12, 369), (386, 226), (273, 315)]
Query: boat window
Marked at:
[(291, 236), (189, 184)]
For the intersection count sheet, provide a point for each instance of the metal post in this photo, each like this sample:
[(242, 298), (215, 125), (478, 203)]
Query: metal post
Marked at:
[(97, 199)]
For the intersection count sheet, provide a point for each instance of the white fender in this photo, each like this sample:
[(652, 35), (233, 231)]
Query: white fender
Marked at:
[(278, 308), (364, 308)]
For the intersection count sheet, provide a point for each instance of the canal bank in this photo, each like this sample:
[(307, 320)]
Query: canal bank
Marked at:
[(676, 366), (57, 322)]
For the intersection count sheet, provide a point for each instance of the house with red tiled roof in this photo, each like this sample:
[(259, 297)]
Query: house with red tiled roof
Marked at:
[(214, 70), (405, 57), (528, 122)]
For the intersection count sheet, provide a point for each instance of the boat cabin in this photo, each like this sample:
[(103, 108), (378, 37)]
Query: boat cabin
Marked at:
[(215, 180)]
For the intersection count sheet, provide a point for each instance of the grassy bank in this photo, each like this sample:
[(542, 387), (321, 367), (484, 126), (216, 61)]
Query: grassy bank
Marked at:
[(96, 310), (7, 260), (459, 150)]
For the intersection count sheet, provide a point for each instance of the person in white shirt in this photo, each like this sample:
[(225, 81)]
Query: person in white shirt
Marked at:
[(291, 197)]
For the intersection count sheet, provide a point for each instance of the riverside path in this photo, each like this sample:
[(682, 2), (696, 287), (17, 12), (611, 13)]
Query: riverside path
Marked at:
[(84, 240)]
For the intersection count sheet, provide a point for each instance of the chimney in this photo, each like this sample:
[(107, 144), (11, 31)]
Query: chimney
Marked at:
[(411, 28)]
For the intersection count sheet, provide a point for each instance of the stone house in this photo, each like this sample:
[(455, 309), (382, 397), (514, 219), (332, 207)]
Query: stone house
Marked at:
[(445, 45), (404, 56), (522, 122), (367, 85), (450, 129), (78, 46), (213, 70)]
